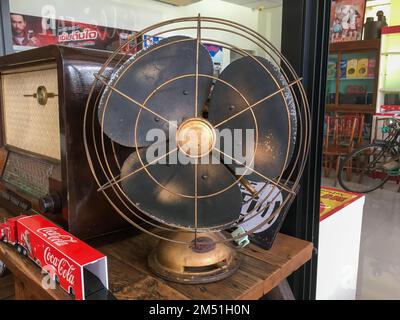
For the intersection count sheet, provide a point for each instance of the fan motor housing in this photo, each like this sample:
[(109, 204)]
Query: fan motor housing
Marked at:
[(196, 137)]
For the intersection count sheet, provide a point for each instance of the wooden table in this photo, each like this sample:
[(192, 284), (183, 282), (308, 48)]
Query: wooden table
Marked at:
[(129, 277)]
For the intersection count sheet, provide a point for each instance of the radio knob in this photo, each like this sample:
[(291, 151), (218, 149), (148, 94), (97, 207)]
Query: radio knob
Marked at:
[(50, 203)]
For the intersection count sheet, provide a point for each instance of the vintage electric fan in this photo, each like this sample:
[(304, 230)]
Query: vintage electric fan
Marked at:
[(187, 193)]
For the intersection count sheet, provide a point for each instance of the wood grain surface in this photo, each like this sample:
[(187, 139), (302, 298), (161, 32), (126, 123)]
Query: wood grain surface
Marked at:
[(130, 278)]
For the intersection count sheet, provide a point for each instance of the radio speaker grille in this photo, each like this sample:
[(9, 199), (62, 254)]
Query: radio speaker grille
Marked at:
[(29, 125), (28, 174)]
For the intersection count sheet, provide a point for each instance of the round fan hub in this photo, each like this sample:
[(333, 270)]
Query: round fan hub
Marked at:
[(196, 137)]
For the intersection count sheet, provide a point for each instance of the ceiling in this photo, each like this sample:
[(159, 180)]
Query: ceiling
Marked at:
[(257, 4), (247, 3), (179, 2)]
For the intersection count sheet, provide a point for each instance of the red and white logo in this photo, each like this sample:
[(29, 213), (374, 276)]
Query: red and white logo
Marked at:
[(64, 268), (55, 237)]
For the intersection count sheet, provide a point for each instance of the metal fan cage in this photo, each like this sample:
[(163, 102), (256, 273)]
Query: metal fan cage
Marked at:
[(101, 151)]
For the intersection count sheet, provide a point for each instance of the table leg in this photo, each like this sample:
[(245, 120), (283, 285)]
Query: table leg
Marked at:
[(281, 292)]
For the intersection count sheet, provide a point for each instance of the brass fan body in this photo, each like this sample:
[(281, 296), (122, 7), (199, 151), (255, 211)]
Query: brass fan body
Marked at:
[(204, 259), (172, 85)]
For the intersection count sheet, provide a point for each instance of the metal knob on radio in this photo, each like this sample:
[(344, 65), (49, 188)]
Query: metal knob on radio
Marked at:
[(51, 203)]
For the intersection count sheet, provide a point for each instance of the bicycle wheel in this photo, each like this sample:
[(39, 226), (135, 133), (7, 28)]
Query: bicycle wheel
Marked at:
[(361, 171)]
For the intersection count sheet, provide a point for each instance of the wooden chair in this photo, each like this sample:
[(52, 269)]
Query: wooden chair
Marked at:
[(359, 131), (339, 140)]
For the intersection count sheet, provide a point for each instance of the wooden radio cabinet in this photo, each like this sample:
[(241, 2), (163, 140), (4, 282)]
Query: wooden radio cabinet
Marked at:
[(43, 167)]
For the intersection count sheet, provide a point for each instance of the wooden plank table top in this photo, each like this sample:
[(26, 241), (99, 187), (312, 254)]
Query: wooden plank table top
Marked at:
[(7, 291), (260, 271), (130, 278)]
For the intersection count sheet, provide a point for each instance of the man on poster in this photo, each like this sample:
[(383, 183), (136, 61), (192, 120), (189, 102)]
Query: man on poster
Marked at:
[(21, 37)]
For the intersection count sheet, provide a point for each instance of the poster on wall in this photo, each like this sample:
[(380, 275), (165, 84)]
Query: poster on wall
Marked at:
[(216, 56), (347, 19), (150, 40), (30, 31), (332, 200)]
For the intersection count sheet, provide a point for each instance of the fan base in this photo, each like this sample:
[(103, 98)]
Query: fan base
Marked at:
[(202, 261)]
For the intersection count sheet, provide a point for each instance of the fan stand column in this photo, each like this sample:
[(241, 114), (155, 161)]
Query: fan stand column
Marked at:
[(194, 257), (205, 258)]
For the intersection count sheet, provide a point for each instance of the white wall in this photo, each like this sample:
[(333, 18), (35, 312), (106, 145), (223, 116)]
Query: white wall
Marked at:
[(374, 6), (274, 26), (270, 26), (133, 14)]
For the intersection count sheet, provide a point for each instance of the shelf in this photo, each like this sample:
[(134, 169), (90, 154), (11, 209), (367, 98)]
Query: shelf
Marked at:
[(363, 108), (361, 78), (368, 80), (374, 44), (390, 90), (390, 107)]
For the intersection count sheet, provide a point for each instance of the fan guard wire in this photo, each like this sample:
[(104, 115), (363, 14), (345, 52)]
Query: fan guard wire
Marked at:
[(293, 82)]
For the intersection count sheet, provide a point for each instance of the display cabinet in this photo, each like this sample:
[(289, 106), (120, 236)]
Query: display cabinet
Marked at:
[(352, 80), (352, 76), (388, 100)]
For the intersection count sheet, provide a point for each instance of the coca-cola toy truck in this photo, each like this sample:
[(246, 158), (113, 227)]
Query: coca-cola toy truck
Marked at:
[(78, 268)]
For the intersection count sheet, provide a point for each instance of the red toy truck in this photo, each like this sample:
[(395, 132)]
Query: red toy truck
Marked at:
[(78, 268)]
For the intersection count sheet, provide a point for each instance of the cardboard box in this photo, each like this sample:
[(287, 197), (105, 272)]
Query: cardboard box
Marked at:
[(351, 70), (343, 68), (66, 259), (362, 68), (371, 67)]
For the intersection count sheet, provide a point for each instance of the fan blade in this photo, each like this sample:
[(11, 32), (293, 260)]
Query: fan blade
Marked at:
[(174, 102), (275, 116), (219, 210)]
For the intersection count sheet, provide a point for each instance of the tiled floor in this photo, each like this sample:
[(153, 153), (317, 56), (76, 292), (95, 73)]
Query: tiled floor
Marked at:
[(379, 264)]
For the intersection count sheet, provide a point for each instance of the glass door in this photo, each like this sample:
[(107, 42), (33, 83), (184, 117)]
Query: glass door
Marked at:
[(331, 79)]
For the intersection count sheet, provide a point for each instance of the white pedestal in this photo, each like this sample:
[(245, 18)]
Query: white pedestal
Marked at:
[(339, 246)]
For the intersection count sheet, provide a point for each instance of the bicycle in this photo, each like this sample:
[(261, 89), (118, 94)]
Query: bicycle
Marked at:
[(369, 167)]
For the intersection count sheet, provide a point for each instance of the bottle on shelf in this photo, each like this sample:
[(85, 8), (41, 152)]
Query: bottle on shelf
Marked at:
[(372, 29)]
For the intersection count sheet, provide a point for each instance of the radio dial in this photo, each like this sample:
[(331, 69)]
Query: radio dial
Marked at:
[(50, 203)]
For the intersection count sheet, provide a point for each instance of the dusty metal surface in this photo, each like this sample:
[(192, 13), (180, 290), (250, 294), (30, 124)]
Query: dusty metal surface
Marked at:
[(143, 74), (203, 262), (273, 94)]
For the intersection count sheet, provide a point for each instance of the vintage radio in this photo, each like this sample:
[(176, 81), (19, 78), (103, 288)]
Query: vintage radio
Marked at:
[(43, 165)]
